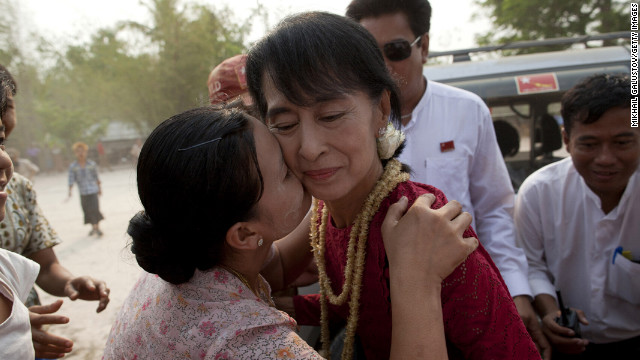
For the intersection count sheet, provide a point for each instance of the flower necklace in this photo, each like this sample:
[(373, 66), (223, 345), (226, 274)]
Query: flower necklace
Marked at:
[(354, 268), (244, 280)]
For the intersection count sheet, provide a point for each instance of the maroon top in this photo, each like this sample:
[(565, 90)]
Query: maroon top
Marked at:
[(480, 318)]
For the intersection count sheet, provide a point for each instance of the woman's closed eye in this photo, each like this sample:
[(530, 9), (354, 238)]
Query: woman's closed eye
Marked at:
[(281, 128)]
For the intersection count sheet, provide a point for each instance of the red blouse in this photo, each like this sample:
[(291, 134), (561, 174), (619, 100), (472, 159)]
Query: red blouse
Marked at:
[(480, 318)]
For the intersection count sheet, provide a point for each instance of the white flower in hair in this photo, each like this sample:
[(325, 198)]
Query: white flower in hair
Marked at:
[(389, 141)]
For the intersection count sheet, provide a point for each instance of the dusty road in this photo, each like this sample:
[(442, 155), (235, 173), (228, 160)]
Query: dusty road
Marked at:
[(106, 258)]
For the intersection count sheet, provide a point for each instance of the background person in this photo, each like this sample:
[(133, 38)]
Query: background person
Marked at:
[(228, 81), (84, 172), (577, 221), (451, 143)]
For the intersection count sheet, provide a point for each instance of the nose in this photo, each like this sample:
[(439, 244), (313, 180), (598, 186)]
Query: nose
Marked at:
[(312, 144), (606, 156)]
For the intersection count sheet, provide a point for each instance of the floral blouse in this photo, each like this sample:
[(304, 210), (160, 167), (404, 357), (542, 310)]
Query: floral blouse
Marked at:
[(24, 229), (212, 316)]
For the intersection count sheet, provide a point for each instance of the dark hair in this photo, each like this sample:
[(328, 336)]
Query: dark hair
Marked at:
[(315, 56), (193, 194), (418, 12), (587, 101), (7, 84), (318, 56), (6, 79)]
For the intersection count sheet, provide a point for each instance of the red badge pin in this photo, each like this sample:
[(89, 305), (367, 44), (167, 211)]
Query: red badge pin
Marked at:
[(447, 146)]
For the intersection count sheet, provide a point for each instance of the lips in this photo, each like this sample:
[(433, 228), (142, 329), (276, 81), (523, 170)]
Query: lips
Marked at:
[(321, 174), (604, 175)]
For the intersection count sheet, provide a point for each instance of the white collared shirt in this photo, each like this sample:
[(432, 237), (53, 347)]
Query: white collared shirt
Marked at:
[(473, 172), (570, 242)]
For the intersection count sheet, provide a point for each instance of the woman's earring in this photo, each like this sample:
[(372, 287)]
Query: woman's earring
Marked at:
[(382, 131), (260, 242)]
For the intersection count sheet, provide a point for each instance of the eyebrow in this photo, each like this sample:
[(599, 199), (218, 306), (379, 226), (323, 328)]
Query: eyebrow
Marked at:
[(592, 137), (276, 111)]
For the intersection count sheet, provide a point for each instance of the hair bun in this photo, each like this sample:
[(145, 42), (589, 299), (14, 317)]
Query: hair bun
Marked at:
[(154, 253)]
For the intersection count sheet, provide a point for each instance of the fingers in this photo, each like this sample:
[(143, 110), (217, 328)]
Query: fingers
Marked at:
[(395, 212), (103, 292), (50, 346), (46, 309), (582, 317), (38, 320)]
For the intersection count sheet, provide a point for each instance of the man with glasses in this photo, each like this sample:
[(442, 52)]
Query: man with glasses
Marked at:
[(451, 143)]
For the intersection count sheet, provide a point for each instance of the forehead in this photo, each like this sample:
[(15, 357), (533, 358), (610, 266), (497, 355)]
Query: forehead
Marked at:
[(614, 122), (388, 27)]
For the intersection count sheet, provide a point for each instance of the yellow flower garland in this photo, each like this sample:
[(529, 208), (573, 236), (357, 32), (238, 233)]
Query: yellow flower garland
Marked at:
[(354, 269)]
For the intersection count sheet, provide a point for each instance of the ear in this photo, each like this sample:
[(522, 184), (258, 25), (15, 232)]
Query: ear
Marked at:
[(424, 46), (242, 236), (384, 110), (566, 140)]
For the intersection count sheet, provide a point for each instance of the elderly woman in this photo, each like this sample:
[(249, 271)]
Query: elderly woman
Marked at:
[(321, 86)]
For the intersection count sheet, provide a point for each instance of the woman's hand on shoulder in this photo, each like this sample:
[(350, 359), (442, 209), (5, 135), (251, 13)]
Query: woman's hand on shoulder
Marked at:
[(426, 244)]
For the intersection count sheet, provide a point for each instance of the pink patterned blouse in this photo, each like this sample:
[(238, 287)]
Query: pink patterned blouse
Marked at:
[(212, 316)]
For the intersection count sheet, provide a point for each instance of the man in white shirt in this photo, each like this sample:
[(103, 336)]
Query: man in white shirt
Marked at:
[(578, 222), (451, 143)]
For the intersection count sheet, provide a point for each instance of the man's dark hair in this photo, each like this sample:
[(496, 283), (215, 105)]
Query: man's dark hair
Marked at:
[(418, 12), (587, 101)]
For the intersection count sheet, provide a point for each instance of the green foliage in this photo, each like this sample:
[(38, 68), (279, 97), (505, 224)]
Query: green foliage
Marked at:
[(133, 73), (517, 20)]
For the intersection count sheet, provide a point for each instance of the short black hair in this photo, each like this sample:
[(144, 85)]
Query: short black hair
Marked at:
[(191, 197), (587, 101), (319, 56), (418, 12)]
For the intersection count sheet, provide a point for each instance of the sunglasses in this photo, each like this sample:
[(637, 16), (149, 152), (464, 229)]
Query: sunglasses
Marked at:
[(398, 50)]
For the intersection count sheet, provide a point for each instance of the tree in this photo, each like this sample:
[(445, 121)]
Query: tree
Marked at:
[(516, 20)]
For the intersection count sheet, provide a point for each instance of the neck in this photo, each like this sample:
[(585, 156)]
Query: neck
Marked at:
[(245, 265), (609, 202), (411, 100), (345, 210)]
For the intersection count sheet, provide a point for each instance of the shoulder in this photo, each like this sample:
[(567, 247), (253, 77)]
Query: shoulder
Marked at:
[(19, 183), (412, 190), (549, 180), (455, 94), (18, 271)]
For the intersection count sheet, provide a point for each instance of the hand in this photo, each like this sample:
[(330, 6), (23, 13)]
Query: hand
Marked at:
[(87, 288), (530, 320), (426, 242), (561, 337), (46, 345)]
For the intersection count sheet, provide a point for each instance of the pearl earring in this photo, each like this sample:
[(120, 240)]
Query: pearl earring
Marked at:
[(382, 131), (260, 242)]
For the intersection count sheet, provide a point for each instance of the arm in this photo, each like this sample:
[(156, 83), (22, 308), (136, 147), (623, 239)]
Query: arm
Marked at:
[(492, 197), (72, 179), (415, 279), (56, 280)]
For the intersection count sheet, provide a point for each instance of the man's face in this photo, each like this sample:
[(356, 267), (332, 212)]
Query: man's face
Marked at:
[(407, 72), (606, 152)]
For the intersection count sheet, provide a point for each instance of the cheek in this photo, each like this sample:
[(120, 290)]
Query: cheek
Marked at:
[(291, 211)]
